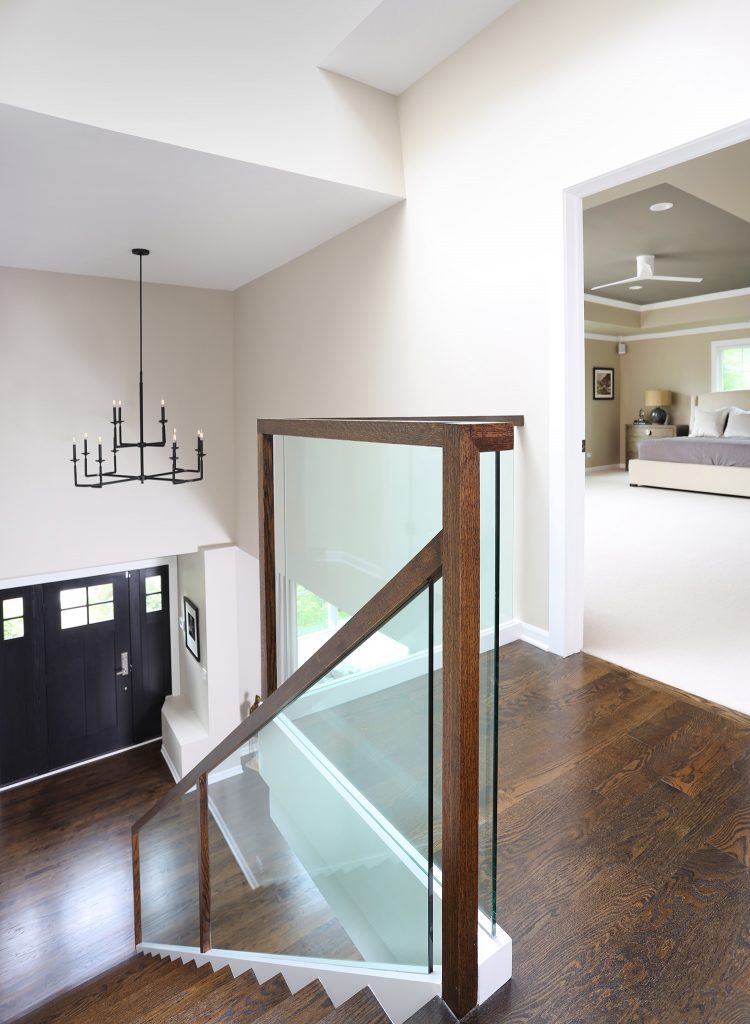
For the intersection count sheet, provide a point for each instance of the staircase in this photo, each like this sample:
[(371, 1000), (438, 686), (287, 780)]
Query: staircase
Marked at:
[(149, 990)]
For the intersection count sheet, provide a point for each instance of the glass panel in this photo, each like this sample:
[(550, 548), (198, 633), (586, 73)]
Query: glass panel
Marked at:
[(73, 617), (153, 602), (101, 612), (12, 607), (73, 598), (101, 592), (735, 368), (153, 584), (319, 828), (349, 515), (168, 847), (12, 629)]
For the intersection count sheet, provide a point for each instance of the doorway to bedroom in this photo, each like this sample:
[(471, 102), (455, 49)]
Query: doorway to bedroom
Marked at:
[(667, 359)]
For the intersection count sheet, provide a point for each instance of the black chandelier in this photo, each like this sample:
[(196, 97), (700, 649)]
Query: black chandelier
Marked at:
[(101, 477)]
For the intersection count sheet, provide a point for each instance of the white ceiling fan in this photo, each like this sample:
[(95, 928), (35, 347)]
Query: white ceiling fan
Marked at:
[(645, 271)]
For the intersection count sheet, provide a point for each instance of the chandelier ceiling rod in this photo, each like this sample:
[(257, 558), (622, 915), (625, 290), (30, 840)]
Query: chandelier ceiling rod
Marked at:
[(100, 477)]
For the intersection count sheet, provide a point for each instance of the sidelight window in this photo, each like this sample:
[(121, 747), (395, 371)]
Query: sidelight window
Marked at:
[(13, 618), (153, 593), (81, 606)]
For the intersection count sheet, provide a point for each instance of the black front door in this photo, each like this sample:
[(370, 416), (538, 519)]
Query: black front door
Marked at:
[(84, 669), (87, 658)]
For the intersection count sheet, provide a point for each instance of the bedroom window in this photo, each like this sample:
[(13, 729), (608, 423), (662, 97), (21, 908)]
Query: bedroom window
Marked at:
[(730, 365)]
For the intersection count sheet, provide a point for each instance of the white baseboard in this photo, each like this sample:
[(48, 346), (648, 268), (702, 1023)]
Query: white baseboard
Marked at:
[(76, 764), (534, 635), (169, 764), (603, 469)]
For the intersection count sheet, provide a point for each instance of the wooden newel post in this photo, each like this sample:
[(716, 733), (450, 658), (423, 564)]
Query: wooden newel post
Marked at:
[(267, 555), (137, 925), (460, 718), (204, 869)]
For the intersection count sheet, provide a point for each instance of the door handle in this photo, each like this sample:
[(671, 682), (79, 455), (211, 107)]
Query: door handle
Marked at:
[(124, 665)]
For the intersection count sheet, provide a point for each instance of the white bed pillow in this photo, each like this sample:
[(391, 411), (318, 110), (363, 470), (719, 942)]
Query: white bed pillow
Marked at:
[(708, 423), (738, 424)]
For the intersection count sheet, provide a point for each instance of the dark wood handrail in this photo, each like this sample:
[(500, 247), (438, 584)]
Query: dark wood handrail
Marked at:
[(487, 433), (425, 568)]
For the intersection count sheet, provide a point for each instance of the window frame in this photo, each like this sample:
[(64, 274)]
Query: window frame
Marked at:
[(717, 347)]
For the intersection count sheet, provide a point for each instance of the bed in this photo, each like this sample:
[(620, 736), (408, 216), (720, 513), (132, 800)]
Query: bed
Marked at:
[(710, 465)]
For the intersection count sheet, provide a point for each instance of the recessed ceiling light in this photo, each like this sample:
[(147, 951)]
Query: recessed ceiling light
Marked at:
[(660, 207), (635, 287)]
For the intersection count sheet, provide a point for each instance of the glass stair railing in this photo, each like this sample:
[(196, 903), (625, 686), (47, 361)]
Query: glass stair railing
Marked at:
[(333, 825)]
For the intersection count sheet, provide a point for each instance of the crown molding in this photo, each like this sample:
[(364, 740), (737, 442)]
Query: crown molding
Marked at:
[(734, 293), (657, 335)]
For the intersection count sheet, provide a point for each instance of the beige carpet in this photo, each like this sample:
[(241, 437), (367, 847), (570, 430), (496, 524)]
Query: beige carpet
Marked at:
[(668, 586)]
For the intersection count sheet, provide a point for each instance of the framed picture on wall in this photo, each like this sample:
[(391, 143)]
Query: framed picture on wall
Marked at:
[(192, 630), (604, 382)]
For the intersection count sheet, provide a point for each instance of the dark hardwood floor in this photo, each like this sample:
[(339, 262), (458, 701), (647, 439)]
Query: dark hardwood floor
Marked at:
[(624, 856), (624, 849), (66, 909)]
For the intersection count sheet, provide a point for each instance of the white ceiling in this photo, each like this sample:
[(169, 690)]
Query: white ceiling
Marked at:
[(179, 128), (401, 40), (77, 199)]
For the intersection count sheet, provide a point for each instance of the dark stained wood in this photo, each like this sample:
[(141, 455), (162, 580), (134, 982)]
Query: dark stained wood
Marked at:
[(434, 1012), (424, 568), (627, 898), (307, 1006), (460, 719), (204, 867), (66, 909), (267, 556), (136, 887), (490, 435), (361, 1008)]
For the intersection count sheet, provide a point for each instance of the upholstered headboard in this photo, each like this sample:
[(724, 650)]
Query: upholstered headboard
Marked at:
[(713, 400)]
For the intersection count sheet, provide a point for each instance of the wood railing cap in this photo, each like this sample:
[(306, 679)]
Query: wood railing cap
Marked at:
[(490, 433)]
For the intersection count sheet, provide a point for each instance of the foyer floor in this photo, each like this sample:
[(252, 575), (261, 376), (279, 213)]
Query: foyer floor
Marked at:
[(624, 864)]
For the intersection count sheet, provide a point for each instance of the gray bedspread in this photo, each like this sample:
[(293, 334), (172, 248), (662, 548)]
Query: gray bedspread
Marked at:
[(705, 451)]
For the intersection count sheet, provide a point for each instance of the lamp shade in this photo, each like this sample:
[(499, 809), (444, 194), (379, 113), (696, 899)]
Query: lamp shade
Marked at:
[(658, 398)]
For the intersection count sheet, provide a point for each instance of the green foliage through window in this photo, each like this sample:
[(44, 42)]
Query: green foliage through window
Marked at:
[(734, 368), (313, 612)]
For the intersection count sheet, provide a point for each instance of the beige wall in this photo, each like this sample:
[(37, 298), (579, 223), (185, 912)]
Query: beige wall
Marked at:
[(427, 307), (68, 346), (602, 417)]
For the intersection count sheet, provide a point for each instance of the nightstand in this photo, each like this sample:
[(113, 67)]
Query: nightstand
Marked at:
[(637, 432)]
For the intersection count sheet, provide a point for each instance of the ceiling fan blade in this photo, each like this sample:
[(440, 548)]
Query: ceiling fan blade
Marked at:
[(611, 284), (686, 280)]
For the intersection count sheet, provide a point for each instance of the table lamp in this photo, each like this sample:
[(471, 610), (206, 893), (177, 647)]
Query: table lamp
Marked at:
[(658, 399)]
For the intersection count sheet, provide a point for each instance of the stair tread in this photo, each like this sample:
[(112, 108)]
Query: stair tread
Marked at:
[(434, 1012), (308, 1006), (239, 999), (117, 979), (201, 986), (171, 979), (362, 1008)]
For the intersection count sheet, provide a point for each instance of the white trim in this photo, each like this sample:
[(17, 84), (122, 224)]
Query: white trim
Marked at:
[(602, 469), (74, 574), (617, 303), (173, 771), (732, 293), (567, 395), (78, 764), (716, 347), (682, 332), (400, 993), (535, 636)]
